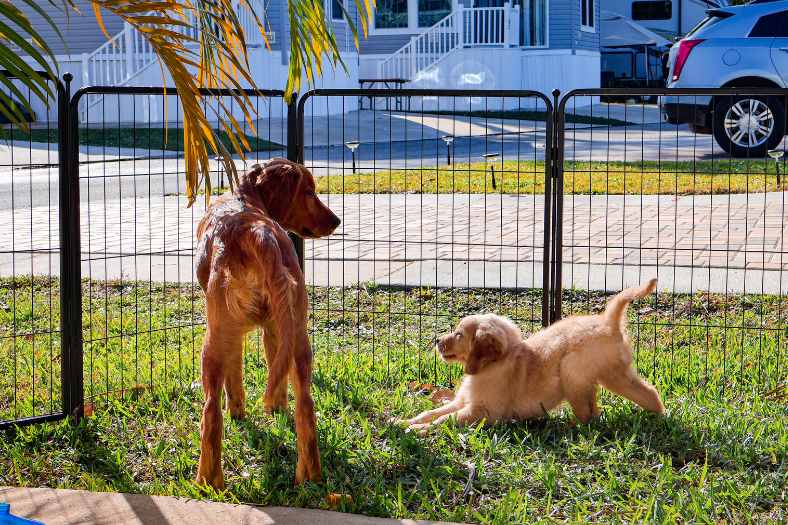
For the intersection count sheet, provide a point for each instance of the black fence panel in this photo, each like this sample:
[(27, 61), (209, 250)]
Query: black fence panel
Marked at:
[(442, 199), (143, 313), (452, 202), (33, 363), (684, 186)]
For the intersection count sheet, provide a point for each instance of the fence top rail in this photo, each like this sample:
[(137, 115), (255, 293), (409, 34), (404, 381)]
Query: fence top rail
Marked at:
[(165, 90), (411, 92), (55, 80), (668, 92)]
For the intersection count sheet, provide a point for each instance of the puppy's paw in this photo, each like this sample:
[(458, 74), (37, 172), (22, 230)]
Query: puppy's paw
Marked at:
[(421, 429)]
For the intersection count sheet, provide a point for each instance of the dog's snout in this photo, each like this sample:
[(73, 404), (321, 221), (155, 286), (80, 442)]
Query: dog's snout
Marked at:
[(335, 221)]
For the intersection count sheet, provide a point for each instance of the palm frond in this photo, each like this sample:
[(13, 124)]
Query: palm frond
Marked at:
[(201, 44)]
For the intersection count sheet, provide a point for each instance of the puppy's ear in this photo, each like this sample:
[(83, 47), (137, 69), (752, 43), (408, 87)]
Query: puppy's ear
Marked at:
[(277, 184), (487, 347)]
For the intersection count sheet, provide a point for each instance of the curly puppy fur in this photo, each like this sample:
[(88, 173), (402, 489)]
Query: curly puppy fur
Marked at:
[(511, 378), (249, 271)]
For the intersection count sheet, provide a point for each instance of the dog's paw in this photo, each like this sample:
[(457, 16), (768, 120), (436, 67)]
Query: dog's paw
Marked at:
[(216, 482), (307, 472), (398, 422), (419, 428)]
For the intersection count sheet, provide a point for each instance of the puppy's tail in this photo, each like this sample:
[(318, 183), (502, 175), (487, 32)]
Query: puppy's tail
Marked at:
[(618, 304)]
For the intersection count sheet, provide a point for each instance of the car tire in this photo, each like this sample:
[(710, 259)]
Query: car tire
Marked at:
[(700, 130), (748, 126)]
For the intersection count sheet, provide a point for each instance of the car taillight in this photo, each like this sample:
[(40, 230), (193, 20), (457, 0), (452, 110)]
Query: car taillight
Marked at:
[(685, 47)]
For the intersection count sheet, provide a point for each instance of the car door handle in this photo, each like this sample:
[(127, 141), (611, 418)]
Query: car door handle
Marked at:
[(784, 49)]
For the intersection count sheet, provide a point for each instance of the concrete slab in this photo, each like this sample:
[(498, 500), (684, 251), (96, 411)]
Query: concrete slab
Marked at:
[(71, 507)]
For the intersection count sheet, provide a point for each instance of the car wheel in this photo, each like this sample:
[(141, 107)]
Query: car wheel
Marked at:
[(700, 130), (748, 126)]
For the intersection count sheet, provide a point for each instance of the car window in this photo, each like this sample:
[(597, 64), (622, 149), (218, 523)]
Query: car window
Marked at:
[(773, 25), (711, 19)]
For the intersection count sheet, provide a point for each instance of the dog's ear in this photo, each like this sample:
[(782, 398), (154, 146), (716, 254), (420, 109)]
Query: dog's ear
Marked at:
[(276, 182), (486, 348)]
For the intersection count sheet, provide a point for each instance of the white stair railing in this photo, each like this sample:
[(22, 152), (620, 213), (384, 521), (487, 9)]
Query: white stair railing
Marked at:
[(126, 55), (463, 27)]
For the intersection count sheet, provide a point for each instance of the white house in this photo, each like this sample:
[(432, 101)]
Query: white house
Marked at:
[(480, 44)]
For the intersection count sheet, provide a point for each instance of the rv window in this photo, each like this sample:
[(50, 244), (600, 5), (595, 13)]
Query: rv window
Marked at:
[(773, 25), (652, 10)]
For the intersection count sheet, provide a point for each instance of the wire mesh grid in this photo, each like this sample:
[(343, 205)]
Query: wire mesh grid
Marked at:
[(30, 357), (441, 196), (685, 188), (142, 309)]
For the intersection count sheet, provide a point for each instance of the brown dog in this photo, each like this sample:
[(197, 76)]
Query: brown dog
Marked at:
[(250, 274), (508, 378)]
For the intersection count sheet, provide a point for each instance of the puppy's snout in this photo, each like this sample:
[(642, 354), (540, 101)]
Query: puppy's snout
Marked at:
[(335, 221)]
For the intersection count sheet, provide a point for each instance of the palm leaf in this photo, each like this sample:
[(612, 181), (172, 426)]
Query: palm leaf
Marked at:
[(201, 44)]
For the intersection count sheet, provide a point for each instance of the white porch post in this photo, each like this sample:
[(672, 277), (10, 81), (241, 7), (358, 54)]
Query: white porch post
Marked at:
[(506, 16), (85, 72), (128, 43), (413, 58), (514, 28), (459, 23)]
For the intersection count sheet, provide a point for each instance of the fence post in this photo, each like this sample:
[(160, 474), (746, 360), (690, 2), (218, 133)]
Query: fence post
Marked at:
[(295, 153), (70, 270), (558, 206)]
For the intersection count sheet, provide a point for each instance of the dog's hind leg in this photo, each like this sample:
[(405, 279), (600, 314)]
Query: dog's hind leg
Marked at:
[(278, 397), (234, 380), (629, 384), (308, 467), (209, 470)]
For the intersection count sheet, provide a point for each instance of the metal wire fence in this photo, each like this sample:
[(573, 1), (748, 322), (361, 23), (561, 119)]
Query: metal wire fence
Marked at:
[(688, 190), (31, 362), (443, 215), (452, 203)]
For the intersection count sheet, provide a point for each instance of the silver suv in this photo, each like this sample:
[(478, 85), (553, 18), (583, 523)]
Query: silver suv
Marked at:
[(746, 47)]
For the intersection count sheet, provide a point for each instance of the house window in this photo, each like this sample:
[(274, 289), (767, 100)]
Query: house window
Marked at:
[(390, 14), (433, 11), (587, 14), (652, 10), (336, 10)]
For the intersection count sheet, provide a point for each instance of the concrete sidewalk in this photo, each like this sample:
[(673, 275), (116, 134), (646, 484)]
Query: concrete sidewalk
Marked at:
[(78, 507)]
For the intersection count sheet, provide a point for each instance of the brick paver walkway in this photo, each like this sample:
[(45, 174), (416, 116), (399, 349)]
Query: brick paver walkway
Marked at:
[(388, 234)]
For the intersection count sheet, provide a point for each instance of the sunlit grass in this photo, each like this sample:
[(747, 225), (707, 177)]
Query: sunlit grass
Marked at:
[(719, 454), (528, 177)]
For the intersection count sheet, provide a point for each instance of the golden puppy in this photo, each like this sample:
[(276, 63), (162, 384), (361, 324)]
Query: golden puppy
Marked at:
[(511, 378)]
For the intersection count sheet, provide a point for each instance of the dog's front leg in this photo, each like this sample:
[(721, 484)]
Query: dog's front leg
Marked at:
[(211, 427), (429, 415), (234, 380), (467, 415)]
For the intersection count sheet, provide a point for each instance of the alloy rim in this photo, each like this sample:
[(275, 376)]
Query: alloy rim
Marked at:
[(749, 123)]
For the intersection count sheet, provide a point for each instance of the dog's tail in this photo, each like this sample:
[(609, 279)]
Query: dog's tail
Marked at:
[(618, 304)]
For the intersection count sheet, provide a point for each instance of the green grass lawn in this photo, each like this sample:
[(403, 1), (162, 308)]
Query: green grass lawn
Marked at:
[(527, 177), (718, 456), (155, 138)]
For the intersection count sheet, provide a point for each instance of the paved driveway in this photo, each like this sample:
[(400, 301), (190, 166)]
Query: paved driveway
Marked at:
[(723, 242)]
